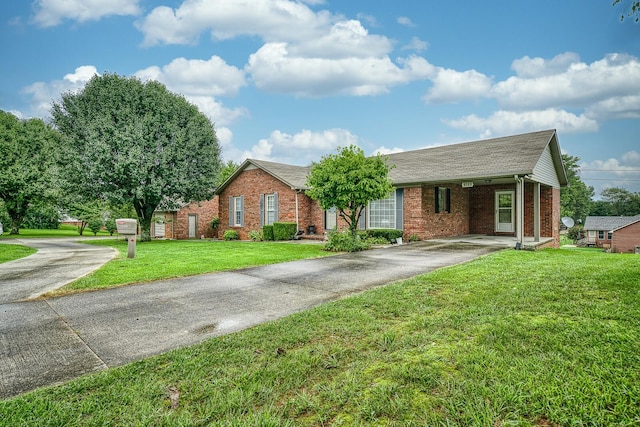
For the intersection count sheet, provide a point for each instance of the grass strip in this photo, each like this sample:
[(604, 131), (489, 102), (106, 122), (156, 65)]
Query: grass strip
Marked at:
[(13, 252), (521, 338), (165, 259)]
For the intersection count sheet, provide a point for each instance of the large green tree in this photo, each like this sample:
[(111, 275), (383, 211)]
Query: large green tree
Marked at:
[(621, 201), (27, 167), (131, 141), (576, 198), (348, 181)]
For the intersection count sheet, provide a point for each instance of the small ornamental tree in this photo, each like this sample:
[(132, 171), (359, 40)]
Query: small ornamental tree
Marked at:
[(348, 181)]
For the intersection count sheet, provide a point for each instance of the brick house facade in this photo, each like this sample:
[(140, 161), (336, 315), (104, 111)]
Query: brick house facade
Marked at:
[(626, 239), (615, 233), (472, 179), (192, 221)]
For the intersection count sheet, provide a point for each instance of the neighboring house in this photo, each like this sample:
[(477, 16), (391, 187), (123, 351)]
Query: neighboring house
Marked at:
[(503, 186), (191, 221), (615, 233)]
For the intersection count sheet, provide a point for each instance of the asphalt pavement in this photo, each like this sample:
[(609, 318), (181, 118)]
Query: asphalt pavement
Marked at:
[(50, 341)]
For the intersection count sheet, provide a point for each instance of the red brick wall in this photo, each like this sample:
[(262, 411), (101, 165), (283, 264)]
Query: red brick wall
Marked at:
[(626, 239), (251, 184), (421, 219), (204, 211), (482, 205)]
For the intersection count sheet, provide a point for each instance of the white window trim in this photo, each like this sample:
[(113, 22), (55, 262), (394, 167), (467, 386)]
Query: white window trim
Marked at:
[(392, 225)]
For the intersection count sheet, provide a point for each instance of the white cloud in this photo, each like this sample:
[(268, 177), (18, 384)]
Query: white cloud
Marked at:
[(528, 68), (579, 85), (216, 111), (452, 86), (212, 77), (382, 150), (612, 172), (269, 19), (403, 20), (43, 94), (274, 69), (49, 13), (416, 44), (301, 148), (510, 122)]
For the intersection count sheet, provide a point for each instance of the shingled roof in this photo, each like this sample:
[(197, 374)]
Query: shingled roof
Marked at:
[(608, 223), (489, 159), (485, 159)]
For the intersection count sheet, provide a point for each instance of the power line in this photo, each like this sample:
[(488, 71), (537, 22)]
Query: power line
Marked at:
[(609, 170)]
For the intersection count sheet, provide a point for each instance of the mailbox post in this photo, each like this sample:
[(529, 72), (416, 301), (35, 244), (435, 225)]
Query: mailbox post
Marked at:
[(129, 228)]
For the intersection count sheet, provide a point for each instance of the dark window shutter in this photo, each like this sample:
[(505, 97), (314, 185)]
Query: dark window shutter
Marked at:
[(448, 200), (275, 202), (231, 212), (437, 193), (362, 225), (242, 211), (400, 208), (261, 210)]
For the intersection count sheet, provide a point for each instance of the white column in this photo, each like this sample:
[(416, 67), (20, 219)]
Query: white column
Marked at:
[(536, 211), (520, 210)]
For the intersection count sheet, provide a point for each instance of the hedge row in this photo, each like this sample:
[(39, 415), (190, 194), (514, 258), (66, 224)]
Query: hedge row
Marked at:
[(390, 234), (280, 231)]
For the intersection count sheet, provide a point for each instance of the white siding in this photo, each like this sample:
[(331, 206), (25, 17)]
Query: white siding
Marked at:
[(544, 171)]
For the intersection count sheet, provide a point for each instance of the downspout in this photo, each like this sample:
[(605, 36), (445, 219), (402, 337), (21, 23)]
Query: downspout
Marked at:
[(297, 222), (519, 211)]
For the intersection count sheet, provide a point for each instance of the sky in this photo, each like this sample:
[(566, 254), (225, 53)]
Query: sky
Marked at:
[(290, 81)]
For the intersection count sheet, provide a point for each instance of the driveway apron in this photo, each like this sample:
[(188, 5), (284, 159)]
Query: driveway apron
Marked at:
[(50, 341)]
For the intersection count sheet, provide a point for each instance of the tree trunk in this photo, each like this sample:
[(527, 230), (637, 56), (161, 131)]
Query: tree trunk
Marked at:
[(17, 211), (145, 214)]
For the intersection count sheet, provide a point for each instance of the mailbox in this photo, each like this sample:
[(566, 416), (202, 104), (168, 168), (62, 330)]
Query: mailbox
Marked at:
[(127, 226)]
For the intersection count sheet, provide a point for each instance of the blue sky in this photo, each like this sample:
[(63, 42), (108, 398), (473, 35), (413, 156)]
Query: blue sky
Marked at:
[(290, 81)]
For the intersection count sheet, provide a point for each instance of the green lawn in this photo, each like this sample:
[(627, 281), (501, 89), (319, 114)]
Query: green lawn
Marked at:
[(12, 252), (516, 338), (163, 259), (63, 231)]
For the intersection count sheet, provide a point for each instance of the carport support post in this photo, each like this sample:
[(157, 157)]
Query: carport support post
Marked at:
[(131, 246), (520, 209)]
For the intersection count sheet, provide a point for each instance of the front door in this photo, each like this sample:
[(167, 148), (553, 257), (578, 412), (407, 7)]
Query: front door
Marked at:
[(505, 211), (193, 226), (331, 219)]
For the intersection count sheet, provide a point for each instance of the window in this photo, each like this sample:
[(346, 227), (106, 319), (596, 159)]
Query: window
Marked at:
[(236, 211), (268, 209), (443, 199), (382, 213), (601, 234), (609, 235)]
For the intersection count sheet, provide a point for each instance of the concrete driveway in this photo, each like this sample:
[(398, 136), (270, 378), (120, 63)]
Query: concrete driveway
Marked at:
[(51, 341), (57, 262)]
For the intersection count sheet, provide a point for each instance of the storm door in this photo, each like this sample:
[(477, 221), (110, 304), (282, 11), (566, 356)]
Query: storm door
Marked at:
[(505, 201)]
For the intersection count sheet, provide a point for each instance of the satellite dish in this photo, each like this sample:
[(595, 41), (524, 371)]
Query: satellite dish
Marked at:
[(568, 221)]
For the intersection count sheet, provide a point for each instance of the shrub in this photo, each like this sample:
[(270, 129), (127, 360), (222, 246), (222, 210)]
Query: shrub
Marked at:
[(345, 242), (215, 223), (95, 224), (575, 233), (414, 238), (111, 226), (231, 235), (256, 235), (284, 230), (267, 232), (390, 234)]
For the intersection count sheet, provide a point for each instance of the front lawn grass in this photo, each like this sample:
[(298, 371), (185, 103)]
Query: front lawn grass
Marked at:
[(63, 231), (164, 259), (13, 252), (516, 338)]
